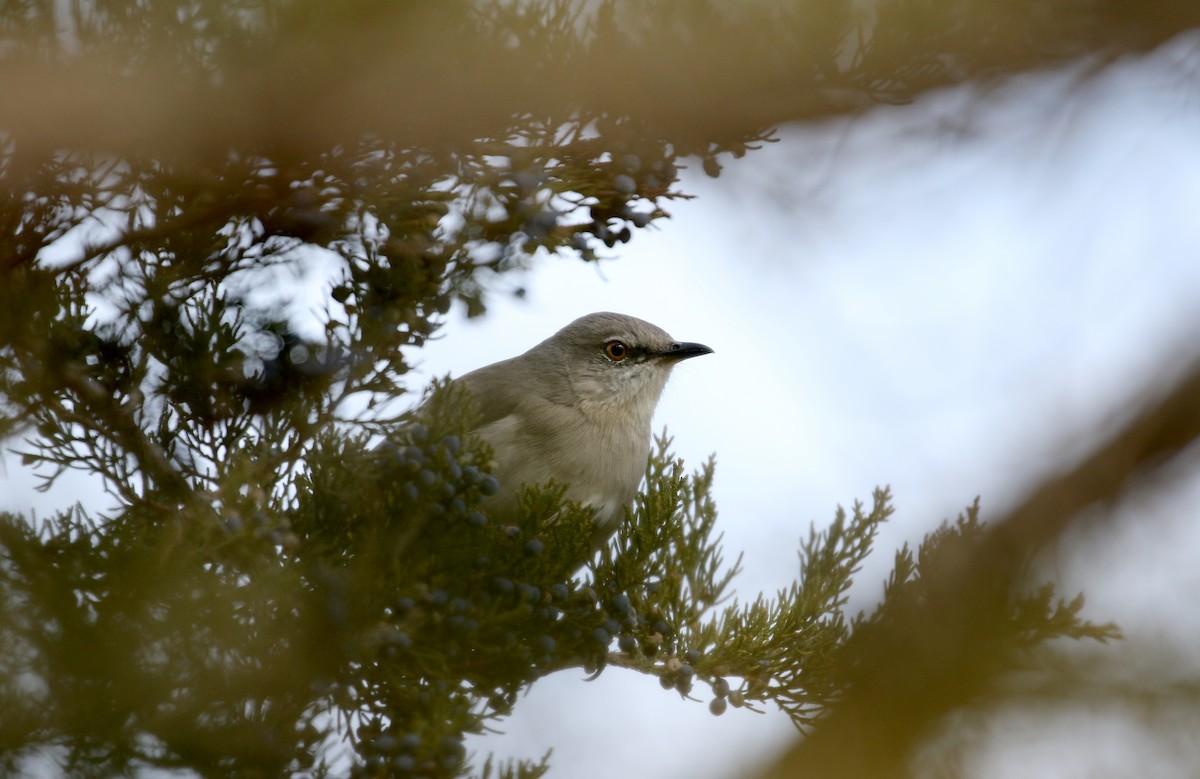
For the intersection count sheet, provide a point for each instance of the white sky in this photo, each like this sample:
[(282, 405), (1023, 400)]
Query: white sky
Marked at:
[(951, 298)]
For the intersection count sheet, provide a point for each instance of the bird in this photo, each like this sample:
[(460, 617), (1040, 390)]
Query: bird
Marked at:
[(576, 410)]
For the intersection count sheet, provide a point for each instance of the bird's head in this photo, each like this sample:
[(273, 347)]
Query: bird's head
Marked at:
[(616, 361)]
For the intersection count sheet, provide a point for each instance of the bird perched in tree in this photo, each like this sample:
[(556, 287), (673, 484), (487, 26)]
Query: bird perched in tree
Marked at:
[(576, 409)]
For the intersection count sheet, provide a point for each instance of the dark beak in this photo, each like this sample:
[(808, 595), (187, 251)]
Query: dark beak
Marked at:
[(682, 350)]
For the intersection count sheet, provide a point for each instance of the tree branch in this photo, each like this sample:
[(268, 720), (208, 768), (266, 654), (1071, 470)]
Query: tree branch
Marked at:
[(938, 655)]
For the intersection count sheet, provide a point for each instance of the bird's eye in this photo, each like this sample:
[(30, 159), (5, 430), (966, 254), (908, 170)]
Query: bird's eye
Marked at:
[(616, 350)]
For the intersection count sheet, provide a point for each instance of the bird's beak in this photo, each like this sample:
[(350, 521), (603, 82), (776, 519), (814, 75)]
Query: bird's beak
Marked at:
[(682, 350)]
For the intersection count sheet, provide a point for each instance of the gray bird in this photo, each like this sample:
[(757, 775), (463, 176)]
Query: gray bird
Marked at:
[(576, 409)]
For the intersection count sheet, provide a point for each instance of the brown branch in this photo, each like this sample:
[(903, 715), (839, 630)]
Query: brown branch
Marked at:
[(115, 420), (938, 655), (434, 79)]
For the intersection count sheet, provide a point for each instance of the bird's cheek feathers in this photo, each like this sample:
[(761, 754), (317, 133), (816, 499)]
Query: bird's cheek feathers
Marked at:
[(629, 391)]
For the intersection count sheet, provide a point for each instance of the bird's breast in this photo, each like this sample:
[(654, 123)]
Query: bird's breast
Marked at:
[(600, 457)]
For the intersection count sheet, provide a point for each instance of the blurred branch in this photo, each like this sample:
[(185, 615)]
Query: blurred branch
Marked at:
[(426, 74), (943, 652)]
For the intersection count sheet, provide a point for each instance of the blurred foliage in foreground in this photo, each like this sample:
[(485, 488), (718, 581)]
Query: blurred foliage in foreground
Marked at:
[(270, 594)]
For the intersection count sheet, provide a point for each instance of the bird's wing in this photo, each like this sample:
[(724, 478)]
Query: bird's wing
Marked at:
[(497, 393)]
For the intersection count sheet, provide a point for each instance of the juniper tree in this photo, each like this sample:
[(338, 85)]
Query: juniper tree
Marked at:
[(272, 590)]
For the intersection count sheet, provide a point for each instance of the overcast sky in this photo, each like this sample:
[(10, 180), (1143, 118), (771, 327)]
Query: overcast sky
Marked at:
[(952, 298)]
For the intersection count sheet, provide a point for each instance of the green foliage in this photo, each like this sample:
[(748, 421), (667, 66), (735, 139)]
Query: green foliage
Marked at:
[(381, 605)]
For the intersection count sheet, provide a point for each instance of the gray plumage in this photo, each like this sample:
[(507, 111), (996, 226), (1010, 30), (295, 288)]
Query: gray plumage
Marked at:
[(576, 409)]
